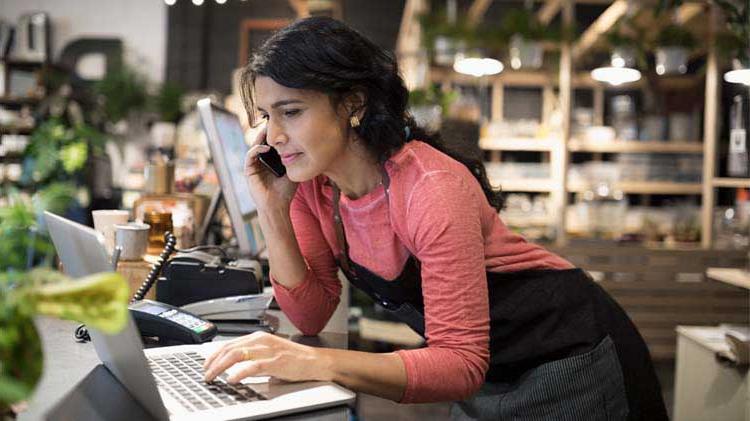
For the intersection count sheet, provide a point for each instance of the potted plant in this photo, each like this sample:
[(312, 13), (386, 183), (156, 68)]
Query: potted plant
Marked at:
[(445, 36), (28, 288), (120, 93), (673, 48), (167, 104), (524, 34)]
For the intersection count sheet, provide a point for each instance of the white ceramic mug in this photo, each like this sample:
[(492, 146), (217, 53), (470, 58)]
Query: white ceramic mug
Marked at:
[(105, 221), (132, 239)]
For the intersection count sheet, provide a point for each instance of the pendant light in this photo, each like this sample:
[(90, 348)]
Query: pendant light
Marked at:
[(621, 69), (474, 63), (739, 74)]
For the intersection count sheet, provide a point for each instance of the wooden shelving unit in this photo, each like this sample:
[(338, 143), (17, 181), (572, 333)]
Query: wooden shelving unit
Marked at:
[(517, 144), (731, 182), (647, 187), (631, 146), (537, 185)]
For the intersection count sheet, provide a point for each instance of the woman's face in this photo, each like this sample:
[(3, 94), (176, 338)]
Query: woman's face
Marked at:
[(304, 128)]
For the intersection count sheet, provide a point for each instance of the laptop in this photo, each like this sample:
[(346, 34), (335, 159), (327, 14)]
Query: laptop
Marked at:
[(168, 381)]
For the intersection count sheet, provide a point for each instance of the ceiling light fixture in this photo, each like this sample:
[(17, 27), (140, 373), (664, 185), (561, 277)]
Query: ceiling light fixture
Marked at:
[(620, 71), (476, 64)]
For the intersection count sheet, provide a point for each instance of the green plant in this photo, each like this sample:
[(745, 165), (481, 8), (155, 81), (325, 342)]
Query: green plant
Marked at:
[(57, 152), (675, 36), (98, 300), (21, 245), (432, 96), (167, 102), (121, 92), (435, 24), (524, 22), (734, 40)]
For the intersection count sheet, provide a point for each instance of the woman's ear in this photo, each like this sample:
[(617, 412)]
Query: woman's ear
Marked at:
[(355, 104)]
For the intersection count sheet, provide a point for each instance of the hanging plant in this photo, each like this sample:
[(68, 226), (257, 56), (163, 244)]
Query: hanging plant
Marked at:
[(167, 103), (121, 92), (675, 36)]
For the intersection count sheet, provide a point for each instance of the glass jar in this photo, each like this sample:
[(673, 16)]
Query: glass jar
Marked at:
[(160, 223)]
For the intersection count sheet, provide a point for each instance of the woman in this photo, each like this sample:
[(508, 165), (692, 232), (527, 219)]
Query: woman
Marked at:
[(513, 331)]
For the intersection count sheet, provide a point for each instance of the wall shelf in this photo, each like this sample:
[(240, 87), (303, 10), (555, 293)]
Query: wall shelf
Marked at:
[(538, 185), (517, 144), (647, 187), (731, 182), (632, 146)]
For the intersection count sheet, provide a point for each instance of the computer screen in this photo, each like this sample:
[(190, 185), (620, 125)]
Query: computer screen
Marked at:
[(232, 141), (226, 141)]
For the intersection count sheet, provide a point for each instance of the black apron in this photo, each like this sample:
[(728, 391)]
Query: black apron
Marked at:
[(560, 347)]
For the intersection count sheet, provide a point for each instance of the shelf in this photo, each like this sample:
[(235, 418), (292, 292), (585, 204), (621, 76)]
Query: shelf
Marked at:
[(517, 144), (731, 182), (16, 129), (737, 277), (540, 185), (23, 63), (631, 146), (647, 187), (16, 100)]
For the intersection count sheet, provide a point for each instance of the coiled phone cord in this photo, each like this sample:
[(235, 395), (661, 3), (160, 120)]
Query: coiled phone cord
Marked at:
[(82, 334), (169, 247)]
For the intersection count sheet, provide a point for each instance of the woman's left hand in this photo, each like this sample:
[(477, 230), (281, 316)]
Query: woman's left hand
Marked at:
[(269, 355)]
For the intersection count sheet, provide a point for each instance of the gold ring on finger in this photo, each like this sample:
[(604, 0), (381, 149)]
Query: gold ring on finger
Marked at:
[(245, 354)]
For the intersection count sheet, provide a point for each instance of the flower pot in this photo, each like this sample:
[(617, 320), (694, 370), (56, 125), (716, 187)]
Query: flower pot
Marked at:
[(671, 60), (525, 53)]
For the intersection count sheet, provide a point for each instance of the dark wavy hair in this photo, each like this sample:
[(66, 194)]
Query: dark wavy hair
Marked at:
[(325, 55)]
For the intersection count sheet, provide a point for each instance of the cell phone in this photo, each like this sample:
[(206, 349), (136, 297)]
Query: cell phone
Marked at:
[(272, 161)]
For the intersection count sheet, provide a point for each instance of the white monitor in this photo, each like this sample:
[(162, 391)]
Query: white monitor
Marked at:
[(228, 149)]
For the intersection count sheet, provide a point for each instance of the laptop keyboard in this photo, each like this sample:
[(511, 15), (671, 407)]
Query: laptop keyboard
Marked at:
[(181, 375)]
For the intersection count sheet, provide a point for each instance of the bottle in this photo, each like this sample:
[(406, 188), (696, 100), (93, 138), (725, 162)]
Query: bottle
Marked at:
[(738, 157)]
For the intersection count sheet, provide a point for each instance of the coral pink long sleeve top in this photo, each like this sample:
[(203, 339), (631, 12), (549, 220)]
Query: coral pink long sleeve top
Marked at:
[(436, 211)]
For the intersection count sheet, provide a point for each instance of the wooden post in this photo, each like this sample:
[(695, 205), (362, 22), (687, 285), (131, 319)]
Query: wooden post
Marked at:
[(598, 105), (498, 91), (710, 133), (560, 156)]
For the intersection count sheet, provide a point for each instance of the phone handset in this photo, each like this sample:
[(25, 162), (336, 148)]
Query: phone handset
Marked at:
[(272, 160)]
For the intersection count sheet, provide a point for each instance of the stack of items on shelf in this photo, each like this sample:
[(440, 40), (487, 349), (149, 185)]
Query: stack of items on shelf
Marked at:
[(509, 129), (616, 220), (499, 171), (677, 168), (732, 224), (529, 215)]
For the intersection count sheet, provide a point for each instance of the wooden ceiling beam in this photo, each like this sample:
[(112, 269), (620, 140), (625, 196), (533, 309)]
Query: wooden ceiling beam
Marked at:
[(602, 24), (549, 11), (477, 10)]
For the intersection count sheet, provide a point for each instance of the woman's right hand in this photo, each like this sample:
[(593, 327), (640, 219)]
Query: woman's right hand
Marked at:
[(268, 191)]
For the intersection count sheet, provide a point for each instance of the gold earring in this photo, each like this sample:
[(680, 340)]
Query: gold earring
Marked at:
[(354, 121)]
